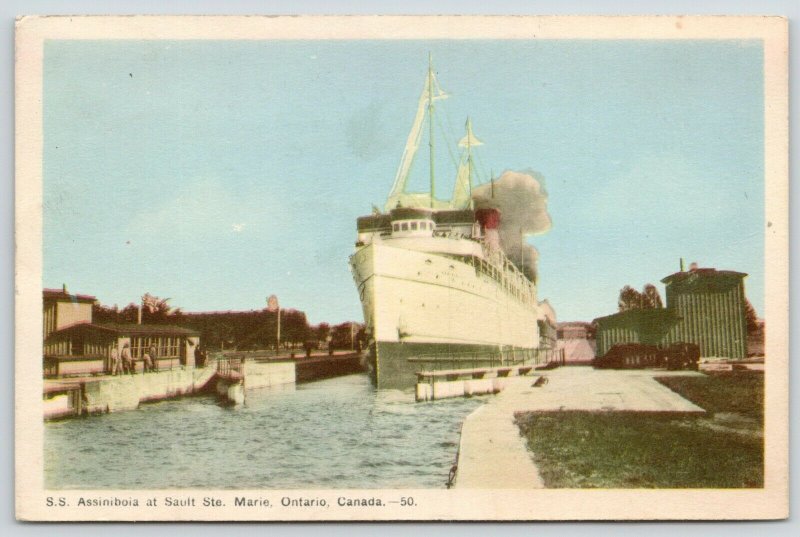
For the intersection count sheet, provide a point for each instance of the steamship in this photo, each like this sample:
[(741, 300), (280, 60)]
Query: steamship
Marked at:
[(436, 289)]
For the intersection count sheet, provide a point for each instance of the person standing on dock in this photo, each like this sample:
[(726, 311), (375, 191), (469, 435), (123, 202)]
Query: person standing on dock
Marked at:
[(147, 363), (154, 358), (116, 365), (127, 361)]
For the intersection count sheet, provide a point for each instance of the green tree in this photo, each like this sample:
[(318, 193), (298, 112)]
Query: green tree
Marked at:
[(322, 330), (750, 317), (631, 299), (652, 297)]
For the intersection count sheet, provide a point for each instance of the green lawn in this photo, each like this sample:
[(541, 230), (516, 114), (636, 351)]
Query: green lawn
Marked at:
[(724, 449), (738, 392)]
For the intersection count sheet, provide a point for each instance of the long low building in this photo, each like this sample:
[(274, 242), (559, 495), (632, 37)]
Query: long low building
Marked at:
[(646, 326), (86, 348), (74, 345)]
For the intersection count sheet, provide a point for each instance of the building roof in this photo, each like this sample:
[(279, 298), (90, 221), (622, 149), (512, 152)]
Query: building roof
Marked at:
[(62, 296), (573, 324), (134, 329), (637, 316), (546, 312), (704, 274), (147, 329)]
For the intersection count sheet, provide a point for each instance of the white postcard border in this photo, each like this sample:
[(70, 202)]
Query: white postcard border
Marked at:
[(548, 504)]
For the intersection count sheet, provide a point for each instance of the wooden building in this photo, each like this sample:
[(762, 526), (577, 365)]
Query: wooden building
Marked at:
[(705, 307), (576, 340), (62, 310), (711, 307), (86, 348), (645, 326), (74, 345)]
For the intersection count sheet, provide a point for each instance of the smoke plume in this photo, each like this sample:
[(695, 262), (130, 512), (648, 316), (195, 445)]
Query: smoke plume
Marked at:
[(522, 202)]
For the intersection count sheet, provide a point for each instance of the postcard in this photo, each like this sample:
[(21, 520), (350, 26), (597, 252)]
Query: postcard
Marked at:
[(346, 268)]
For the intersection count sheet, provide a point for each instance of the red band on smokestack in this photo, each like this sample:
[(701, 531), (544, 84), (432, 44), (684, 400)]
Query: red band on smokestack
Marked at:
[(488, 218)]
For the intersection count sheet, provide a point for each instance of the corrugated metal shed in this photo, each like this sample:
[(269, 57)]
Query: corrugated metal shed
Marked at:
[(647, 326), (711, 304)]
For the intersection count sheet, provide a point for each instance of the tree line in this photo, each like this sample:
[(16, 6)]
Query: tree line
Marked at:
[(238, 330)]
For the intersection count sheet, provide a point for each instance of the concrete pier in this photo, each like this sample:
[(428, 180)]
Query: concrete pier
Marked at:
[(229, 374), (317, 366), (92, 395), (433, 385), (493, 454), (234, 378)]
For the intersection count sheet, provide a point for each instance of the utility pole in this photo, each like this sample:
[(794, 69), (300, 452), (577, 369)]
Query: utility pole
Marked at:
[(275, 307)]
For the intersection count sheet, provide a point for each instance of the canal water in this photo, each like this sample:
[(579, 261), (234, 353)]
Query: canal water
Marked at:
[(336, 433)]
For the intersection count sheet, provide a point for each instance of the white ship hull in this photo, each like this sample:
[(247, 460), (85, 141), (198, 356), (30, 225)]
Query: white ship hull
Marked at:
[(422, 306)]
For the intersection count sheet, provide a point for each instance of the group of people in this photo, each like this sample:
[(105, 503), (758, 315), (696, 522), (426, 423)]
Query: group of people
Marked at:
[(122, 363)]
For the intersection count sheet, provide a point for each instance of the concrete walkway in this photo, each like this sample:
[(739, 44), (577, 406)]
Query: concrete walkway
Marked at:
[(493, 454)]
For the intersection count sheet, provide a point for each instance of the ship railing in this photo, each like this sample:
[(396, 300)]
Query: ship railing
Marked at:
[(506, 273), (482, 359), (226, 366), (489, 359)]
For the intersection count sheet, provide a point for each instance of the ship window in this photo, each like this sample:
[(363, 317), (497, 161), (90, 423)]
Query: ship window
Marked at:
[(413, 226), (404, 226)]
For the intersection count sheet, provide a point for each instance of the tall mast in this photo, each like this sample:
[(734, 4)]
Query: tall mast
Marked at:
[(469, 159), (430, 124), (430, 93), (462, 193)]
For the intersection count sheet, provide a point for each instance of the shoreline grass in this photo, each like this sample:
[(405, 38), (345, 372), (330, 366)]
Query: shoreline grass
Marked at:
[(724, 449)]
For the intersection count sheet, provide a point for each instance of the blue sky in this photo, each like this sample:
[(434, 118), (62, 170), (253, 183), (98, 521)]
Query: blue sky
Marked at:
[(217, 173)]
